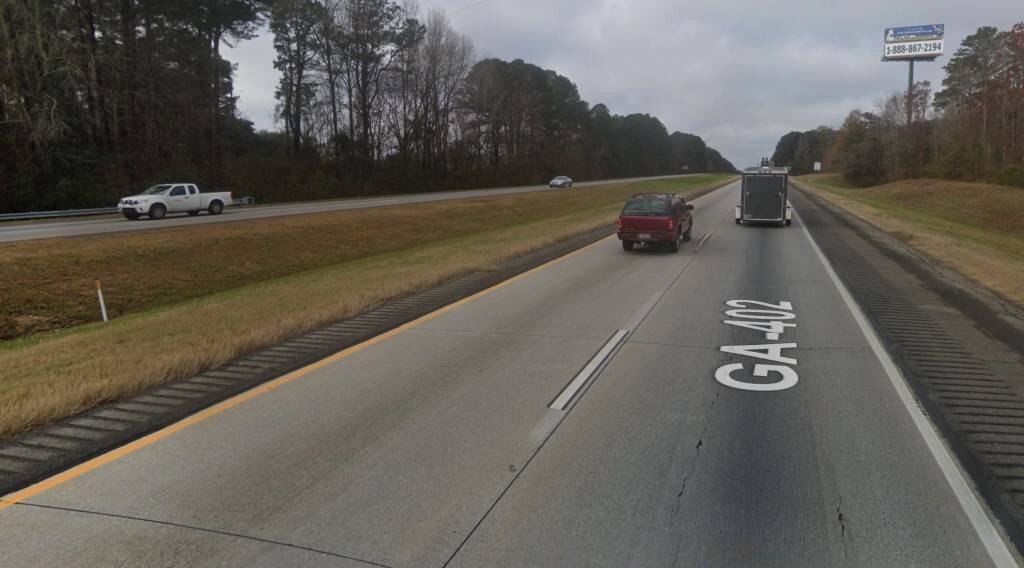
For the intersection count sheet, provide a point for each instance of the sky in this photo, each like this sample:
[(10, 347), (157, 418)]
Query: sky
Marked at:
[(738, 73)]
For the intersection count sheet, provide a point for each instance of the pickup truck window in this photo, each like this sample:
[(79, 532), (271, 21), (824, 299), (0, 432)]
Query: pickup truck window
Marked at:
[(178, 191), (192, 190), (647, 207), (156, 190)]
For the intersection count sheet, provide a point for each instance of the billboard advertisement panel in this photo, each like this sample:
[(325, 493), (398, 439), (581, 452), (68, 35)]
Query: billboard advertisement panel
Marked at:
[(913, 42)]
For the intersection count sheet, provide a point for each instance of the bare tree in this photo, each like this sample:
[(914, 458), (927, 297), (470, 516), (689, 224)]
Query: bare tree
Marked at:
[(292, 22), (377, 36)]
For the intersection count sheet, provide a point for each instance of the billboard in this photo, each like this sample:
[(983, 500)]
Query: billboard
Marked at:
[(915, 33), (913, 42)]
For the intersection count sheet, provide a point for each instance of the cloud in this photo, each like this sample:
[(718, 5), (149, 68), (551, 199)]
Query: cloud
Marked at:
[(739, 73)]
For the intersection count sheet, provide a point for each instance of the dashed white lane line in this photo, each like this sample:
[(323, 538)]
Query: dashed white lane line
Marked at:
[(562, 401)]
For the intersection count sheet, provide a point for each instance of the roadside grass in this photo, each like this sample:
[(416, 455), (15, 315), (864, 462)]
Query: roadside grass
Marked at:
[(832, 180), (976, 229), (50, 284), (53, 375)]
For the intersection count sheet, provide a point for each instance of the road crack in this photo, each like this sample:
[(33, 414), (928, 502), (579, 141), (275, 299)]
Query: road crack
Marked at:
[(696, 455), (842, 523), (693, 469)]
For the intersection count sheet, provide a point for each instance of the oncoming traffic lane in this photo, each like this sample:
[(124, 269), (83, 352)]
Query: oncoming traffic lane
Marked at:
[(771, 319)]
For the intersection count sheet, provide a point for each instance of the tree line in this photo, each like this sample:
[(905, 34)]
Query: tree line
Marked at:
[(99, 98), (103, 94), (972, 129)]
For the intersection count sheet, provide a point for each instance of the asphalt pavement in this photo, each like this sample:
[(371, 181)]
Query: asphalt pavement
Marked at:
[(440, 446), (22, 231)]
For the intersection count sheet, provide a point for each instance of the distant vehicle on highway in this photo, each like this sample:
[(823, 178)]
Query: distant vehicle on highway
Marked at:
[(165, 198), (655, 219), (560, 181)]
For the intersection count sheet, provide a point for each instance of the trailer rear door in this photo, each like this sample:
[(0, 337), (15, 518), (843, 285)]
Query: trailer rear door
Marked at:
[(764, 198)]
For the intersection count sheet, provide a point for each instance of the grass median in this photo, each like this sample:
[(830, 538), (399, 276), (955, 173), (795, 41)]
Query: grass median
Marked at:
[(975, 229), (188, 300)]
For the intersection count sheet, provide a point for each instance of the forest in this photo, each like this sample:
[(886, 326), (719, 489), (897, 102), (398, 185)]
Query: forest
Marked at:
[(971, 129), (100, 98)]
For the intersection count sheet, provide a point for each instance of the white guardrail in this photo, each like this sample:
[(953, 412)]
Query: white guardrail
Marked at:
[(63, 213), (247, 200)]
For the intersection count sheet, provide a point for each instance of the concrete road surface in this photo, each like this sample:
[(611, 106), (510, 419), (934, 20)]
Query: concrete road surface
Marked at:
[(10, 232), (438, 446)]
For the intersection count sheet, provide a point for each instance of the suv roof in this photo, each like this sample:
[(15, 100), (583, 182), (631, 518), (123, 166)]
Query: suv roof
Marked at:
[(655, 195)]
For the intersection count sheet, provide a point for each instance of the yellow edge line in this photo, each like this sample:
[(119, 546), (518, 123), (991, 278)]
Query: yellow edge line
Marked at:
[(132, 447)]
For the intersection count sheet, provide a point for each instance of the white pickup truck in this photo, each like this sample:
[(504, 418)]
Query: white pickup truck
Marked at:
[(165, 198)]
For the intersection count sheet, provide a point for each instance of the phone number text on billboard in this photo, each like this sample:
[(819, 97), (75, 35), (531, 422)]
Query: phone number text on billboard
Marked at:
[(913, 49)]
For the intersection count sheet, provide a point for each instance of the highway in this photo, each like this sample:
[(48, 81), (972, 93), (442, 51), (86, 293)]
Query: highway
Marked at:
[(23, 231), (455, 442)]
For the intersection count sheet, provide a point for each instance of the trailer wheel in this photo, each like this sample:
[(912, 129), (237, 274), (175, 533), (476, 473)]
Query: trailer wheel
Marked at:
[(627, 245), (216, 208)]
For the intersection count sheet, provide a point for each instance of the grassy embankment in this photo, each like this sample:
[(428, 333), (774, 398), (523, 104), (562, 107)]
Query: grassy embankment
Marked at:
[(975, 229), (188, 300)]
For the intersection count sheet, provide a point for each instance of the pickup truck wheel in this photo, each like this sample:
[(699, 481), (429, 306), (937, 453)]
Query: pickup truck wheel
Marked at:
[(216, 208), (193, 213), (627, 245), (789, 222), (674, 245), (157, 211), (737, 221), (688, 235)]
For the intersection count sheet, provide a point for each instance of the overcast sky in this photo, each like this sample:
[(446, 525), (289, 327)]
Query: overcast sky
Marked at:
[(739, 73)]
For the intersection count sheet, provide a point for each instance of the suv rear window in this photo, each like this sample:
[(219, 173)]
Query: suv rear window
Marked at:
[(647, 206)]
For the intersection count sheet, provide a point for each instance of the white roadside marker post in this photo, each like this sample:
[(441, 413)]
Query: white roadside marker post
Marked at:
[(103, 305)]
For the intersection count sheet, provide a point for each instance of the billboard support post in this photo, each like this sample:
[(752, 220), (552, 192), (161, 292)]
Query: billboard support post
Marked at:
[(910, 93)]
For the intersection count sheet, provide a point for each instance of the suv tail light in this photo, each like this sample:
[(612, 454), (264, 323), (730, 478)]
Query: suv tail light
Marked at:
[(671, 223), (620, 222)]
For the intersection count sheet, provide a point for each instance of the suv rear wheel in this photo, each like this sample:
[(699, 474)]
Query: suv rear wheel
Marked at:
[(674, 245)]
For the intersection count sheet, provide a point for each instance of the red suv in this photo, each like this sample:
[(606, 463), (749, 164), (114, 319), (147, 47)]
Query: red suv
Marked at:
[(650, 218)]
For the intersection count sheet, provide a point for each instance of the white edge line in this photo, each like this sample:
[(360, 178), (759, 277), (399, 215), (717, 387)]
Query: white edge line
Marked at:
[(991, 537), (587, 371)]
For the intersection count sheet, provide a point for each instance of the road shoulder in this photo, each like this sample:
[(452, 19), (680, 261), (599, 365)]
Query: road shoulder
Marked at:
[(960, 347)]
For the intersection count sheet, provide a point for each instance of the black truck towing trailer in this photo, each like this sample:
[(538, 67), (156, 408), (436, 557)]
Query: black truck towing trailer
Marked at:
[(764, 197)]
